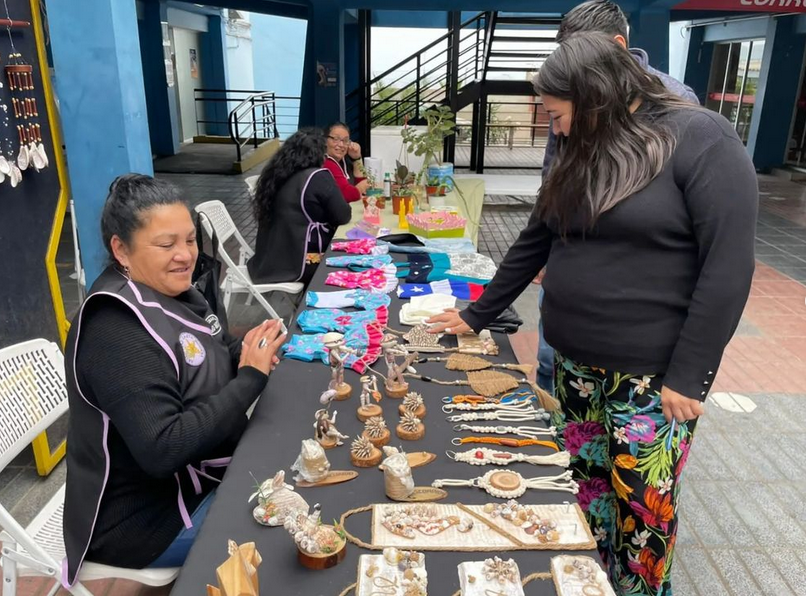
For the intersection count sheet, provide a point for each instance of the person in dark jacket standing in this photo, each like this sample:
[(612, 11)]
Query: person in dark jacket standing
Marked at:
[(298, 208), (647, 221), (158, 390), (605, 17)]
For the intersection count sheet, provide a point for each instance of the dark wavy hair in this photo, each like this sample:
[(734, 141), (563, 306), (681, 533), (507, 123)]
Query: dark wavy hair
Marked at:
[(612, 151), (302, 150)]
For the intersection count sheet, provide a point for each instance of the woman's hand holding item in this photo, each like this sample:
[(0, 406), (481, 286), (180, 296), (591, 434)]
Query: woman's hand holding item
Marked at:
[(448, 322), (261, 344)]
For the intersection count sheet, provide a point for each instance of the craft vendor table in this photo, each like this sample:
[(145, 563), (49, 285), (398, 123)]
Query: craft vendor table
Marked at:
[(470, 209), (282, 418)]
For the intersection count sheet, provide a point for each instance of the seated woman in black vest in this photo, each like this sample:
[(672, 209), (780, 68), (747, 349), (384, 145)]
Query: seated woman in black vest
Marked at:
[(298, 208), (158, 390)]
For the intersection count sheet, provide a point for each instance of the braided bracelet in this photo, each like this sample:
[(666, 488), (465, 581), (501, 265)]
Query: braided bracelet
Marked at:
[(520, 431), (504, 442), (495, 407), (503, 415), (506, 484), (484, 455)]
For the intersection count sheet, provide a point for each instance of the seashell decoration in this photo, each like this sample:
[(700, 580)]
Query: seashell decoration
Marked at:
[(413, 401), (375, 427), (362, 448), (312, 464), (410, 423), (276, 500)]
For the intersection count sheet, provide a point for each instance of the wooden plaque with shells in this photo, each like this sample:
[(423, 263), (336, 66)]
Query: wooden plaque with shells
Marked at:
[(471, 528), (396, 573)]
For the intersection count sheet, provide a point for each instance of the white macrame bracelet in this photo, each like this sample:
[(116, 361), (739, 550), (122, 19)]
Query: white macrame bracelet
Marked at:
[(484, 455), (506, 484), (521, 407), (520, 431), (503, 415)]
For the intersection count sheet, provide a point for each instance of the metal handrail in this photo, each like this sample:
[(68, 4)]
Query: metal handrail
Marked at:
[(257, 115)]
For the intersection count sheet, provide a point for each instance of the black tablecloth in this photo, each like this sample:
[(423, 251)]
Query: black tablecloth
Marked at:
[(282, 418)]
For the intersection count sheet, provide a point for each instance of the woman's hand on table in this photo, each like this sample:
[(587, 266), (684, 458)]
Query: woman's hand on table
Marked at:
[(448, 322), (261, 344), (677, 406), (362, 186)]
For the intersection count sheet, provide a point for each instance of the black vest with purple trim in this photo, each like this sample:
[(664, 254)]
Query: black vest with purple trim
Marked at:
[(201, 358)]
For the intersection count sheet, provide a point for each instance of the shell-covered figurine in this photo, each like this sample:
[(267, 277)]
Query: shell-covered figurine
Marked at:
[(398, 481), (337, 352), (396, 385), (276, 500), (410, 428), (376, 431), (369, 392), (312, 464), (363, 454), (319, 545), (325, 429), (413, 402)]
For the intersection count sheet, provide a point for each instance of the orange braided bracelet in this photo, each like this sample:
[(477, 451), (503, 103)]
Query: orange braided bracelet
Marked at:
[(506, 442)]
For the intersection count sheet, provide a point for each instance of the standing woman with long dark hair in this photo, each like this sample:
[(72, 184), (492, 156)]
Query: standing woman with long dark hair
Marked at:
[(647, 218), (298, 208)]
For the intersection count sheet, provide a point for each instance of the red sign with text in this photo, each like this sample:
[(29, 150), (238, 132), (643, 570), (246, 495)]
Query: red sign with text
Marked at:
[(745, 5)]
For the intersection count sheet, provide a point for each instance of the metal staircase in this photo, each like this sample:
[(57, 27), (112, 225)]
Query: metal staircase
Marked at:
[(492, 53)]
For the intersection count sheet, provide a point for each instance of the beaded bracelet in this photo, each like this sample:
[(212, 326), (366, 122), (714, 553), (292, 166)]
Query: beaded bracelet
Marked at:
[(504, 442), (507, 484), (483, 456)]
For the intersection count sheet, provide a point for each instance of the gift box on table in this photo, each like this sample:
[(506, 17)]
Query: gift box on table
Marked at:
[(437, 224)]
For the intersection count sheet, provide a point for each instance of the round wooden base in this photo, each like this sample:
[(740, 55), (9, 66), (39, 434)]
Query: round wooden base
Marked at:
[(343, 392), (369, 462), (364, 413), (409, 436), (322, 561), (396, 391), (382, 440), (327, 442), (419, 412)]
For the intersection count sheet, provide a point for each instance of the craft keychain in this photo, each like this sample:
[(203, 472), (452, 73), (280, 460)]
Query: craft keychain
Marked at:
[(473, 404), (505, 442), (506, 484), (468, 362), (502, 414), (483, 455), (519, 431)]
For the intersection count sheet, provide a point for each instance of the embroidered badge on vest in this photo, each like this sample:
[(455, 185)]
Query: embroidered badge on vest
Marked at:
[(194, 351), (215, 325)]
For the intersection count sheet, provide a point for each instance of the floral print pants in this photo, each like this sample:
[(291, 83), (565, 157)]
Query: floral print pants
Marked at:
[(627, 460)]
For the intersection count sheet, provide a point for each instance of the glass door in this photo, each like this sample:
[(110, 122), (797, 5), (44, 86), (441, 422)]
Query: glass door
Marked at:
[(796, 153), (735, 70)]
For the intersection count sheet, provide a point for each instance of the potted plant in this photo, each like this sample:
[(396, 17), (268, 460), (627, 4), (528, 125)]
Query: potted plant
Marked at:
[(402, 188), (428, 143), (372, 190), (433, 186)]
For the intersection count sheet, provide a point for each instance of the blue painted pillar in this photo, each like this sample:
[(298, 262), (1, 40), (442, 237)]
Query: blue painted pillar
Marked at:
[(99, 80), (777, 92), (214, 71), (324, 51), (163, 121), (352, 55), (698, 62), (649, 30)]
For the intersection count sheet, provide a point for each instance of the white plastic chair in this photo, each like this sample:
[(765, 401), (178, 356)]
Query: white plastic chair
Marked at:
[(237, 279), (32, 396)]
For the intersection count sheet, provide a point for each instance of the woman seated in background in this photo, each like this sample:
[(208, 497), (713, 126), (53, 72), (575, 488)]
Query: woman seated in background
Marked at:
[(298, 208), (341, 151), (158, 390)]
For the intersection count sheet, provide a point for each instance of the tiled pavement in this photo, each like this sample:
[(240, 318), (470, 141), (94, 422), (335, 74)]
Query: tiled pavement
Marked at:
[(743, 511)]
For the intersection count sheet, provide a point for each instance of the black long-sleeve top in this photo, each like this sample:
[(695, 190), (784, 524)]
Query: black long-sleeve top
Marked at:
[(120, 367), (660, 282)]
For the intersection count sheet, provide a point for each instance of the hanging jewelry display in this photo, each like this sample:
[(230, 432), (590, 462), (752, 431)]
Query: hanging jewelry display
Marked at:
[(319, 546), (410, 428), (492, 577), (507, 484), (437, 527), (313, 469), (369, 392), (579, 576), (483, 456), (325, 431), (363, 454), (395, 572), (376, 431), (276, 500), (413, 402)]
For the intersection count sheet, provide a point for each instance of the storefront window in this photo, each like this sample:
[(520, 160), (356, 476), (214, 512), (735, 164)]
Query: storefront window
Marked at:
[(732, 87), (796, 153)]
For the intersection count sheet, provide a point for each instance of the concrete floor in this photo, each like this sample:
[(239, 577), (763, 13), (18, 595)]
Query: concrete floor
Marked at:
[(743, 518)]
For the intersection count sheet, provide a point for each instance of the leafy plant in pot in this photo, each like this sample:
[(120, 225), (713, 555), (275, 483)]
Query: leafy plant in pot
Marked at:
[(402, 189)]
